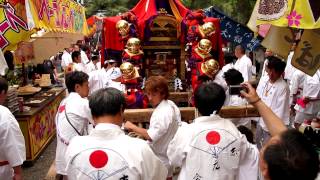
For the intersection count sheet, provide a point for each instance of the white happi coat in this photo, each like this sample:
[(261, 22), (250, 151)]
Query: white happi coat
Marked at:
[(244, 65), (220, 80), (107, 153), (12, 145), (213, 148), (101, 78), (164, 122), (226, 67), (79, 114), (90, 67), (236, 100), (289, 70), (276, 97), (79, 67), (84, 57), (311, 89), (297, 81), (66, 59)]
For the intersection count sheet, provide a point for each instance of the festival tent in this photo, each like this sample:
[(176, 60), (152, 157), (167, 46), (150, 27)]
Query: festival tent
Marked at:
[(63, 22)]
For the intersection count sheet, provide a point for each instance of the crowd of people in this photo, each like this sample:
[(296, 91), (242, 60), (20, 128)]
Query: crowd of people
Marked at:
[(92, 142)]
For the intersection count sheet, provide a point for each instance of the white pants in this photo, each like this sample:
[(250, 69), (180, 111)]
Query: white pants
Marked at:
[(6, 172)]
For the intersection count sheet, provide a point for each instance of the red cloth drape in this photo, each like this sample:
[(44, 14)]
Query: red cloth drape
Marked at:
[(111, 35)]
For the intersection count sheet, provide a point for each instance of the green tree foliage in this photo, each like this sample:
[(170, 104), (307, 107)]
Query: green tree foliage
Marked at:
[(108, 7)]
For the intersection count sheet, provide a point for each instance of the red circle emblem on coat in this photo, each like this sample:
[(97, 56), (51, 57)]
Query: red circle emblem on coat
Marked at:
[(98, 159), (213, 137)]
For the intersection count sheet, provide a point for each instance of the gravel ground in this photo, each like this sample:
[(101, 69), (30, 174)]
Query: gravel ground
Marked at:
[(41, 166)]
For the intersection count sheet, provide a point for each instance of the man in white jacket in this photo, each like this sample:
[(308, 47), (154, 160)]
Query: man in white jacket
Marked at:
[(164, 122), (274, 92), (212, 147), (73, 116), (104, 77), (243, 64), (107, 153), (12, 145)]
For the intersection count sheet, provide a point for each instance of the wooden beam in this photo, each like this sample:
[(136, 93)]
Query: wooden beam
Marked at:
[(144, 115)]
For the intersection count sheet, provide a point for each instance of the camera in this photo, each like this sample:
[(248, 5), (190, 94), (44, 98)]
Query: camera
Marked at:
[(235, 89)]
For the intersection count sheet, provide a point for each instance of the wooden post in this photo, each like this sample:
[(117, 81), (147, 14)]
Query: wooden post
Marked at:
[(102, 51)]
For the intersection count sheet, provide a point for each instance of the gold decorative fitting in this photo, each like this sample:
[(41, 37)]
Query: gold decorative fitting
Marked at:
[(123, 27), (128, 71), (204, 46), (162, 11), (133, 45), (208, 29), (210, 67)]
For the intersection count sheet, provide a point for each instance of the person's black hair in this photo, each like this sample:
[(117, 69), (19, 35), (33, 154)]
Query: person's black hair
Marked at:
[(74, 55), (107, 102), (277, 64), (229, 59), (3, 85), (233, 77), (75, 77), (9, 59), (292, 158), (84, 47), (209, 97), (247, 132), (94, 58)]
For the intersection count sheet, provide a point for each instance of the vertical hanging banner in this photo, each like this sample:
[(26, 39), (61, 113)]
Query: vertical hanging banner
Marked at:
[(233, 31), (279, 40), (13, 24), (303, 14), (307, 56), (58, 15)]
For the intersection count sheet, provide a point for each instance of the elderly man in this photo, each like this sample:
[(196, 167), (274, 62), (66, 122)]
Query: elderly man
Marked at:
[(243, 64)]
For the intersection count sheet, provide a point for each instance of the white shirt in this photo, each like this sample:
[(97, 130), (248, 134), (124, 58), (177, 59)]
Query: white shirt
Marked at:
[(213, 148), (276, 97), (264, 72), (220, 80), (244, 65), (90, 67), (3, 64), (311, 88), (101, 78), (236, 100), (79, 67), (107, 153), (297, 82), (289, 70), (12, 144), (66, 59), (84, 58), (226, 67), (164, 122), (79, 114)]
